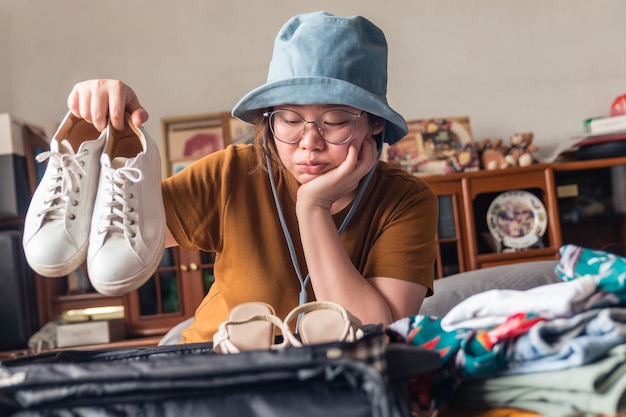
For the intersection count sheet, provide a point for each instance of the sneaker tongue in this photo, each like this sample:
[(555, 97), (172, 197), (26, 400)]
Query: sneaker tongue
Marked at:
[(118, 162), (66, 147)]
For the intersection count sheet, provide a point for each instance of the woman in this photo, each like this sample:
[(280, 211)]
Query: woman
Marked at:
[(306, 212)]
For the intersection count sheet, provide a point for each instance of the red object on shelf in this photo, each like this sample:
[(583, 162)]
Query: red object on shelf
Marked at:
[(618, 107)]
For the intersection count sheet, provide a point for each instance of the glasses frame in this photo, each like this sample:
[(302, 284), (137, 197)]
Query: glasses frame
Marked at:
[(269, 115)]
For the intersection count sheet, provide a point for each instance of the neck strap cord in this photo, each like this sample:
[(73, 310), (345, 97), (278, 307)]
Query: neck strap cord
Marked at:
[(302, 299)]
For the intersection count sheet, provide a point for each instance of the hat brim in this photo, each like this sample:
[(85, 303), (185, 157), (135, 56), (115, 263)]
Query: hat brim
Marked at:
[(321, 90)]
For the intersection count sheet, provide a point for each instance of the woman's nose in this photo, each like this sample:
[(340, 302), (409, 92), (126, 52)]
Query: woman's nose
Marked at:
[(311, 137)]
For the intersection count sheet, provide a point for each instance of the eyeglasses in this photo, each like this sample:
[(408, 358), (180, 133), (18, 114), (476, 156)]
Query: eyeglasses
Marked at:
[(334, 126)]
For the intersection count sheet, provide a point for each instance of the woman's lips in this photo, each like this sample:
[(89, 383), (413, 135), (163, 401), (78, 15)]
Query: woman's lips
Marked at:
[(310, 167)]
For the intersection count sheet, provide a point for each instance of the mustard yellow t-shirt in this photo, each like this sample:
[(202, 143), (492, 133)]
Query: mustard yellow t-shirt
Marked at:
[(224, 204)]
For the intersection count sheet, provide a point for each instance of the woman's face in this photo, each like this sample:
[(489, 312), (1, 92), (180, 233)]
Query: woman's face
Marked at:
[(312, 156)]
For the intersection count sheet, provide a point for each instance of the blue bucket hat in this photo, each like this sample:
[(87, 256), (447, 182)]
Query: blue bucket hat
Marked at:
[(320, 58)]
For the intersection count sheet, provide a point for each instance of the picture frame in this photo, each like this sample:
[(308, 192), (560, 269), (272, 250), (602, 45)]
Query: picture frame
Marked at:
[(237, 131), (177, 166), (189, 138), (440, 145)]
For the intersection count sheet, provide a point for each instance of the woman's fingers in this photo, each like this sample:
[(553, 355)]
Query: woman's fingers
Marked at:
[(98, 100)]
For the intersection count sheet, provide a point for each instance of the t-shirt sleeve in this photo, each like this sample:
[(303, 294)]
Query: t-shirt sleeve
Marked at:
[(406, 248), (194, 201)]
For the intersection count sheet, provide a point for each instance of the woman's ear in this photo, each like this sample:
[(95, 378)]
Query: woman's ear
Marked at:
[(378, 125)]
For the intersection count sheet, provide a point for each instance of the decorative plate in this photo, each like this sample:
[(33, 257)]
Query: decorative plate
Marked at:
[(518, 219)]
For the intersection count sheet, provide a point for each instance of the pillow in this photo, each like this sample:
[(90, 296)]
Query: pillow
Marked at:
[(451, 290)]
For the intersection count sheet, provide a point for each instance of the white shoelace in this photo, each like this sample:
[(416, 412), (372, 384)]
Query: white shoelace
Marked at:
[(67, 171), (119, 217)]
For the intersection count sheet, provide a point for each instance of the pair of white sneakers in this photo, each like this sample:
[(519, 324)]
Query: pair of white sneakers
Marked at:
[(99, 201)]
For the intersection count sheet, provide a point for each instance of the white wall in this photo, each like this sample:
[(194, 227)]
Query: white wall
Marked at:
[(5, 59), (511, 65)]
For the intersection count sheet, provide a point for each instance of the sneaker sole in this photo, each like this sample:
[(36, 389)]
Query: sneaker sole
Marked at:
[(131, 283), (61, 270)]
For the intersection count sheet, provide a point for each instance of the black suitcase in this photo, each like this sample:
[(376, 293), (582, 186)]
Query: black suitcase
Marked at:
[(363, 378)]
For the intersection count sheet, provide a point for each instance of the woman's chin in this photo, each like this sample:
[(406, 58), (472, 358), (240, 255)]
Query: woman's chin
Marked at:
[(304, 178)]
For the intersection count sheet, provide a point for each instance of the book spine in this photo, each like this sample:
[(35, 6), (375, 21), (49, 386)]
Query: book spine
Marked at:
[(608, 125)]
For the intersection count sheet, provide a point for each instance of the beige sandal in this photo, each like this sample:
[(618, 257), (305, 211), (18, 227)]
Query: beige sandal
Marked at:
[(324, 322), (250, 326)]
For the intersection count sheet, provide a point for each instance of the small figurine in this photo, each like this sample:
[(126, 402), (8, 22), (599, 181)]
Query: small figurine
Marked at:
[(521, 150), (492, 154)]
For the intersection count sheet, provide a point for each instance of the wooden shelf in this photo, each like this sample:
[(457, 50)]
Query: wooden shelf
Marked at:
[(494, 259), (589, 164), (129, 343), (11, 222)]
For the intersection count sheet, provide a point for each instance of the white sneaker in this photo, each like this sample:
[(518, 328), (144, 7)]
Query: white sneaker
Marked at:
[(56, 228), (127, 236)]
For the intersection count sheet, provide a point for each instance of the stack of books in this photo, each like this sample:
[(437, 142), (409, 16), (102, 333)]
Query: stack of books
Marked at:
[(605, 138), (608, 125), (96, 325), (603, 130), (608, 132)]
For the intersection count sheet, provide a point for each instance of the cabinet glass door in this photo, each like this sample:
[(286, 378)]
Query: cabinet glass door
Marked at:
[(449, 259), (450, 238), (173, 293), (206, 265), (161, 294), (160, 303)]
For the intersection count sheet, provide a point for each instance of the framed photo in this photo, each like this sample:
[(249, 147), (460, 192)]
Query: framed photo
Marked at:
[(237, 131), (177, 166), (189, 138), (435, 146)]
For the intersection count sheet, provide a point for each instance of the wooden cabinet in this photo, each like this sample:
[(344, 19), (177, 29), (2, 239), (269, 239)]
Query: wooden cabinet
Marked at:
[(464, 199), (170, 296), (592, 203)]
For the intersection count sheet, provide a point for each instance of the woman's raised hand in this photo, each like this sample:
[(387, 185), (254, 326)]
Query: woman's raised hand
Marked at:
[(97, 100), (330, 187)]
